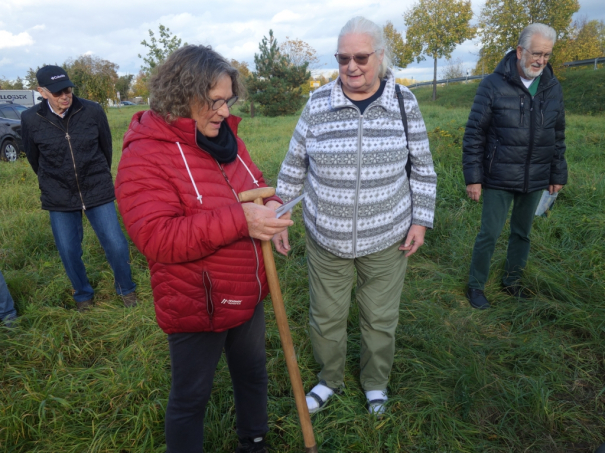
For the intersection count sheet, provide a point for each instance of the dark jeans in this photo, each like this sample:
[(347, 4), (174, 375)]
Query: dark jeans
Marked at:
[(496, 204), (7, 305), (193, 358), (68, 233)]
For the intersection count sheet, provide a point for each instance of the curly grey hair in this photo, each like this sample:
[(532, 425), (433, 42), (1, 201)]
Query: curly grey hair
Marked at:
[(362, 26), (540, 29), (187, 75)]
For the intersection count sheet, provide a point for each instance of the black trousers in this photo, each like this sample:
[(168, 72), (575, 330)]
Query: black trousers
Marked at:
[(194, 357)]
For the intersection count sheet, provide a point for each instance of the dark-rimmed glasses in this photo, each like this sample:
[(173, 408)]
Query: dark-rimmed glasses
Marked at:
[(219, 102), (360, 58), (57, 94), (537, 55)]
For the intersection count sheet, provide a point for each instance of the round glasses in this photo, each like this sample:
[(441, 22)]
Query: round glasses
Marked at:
[(537, 55), (219, 102)]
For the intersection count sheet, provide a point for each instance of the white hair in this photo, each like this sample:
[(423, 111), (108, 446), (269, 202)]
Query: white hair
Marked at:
[(362, 26), (536, 29)]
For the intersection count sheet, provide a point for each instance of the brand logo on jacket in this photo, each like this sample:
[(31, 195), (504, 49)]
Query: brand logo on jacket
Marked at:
[(231, 302)]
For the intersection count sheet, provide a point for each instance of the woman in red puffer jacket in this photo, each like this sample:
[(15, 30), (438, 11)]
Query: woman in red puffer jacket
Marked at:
[(182, 168)]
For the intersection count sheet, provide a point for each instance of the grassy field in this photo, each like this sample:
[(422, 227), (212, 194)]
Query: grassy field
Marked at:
[(521, 377), (583, 92)]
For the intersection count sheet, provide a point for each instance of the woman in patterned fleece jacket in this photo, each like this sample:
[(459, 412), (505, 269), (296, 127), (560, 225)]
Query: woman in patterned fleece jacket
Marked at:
[(348, 155)]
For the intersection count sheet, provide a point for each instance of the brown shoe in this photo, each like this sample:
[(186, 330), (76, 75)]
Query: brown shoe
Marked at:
[(130, 300), (84, 306)]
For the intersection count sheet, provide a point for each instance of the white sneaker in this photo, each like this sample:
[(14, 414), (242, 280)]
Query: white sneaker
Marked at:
[(318, 397), (377, 400)]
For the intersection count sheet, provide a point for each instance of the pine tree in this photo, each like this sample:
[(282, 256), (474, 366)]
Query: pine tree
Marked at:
[(276, 83)]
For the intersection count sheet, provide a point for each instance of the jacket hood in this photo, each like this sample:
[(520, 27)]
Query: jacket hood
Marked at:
[(148, 125), (508, 69)]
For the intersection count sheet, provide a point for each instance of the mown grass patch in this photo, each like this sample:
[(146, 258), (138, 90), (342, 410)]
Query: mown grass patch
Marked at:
[(519, 377)]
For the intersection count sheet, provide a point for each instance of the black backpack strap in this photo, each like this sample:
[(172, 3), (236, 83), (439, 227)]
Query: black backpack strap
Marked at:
[(404, 119)]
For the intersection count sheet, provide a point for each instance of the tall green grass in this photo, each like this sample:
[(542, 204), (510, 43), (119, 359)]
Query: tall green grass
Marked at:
[(520, 377)]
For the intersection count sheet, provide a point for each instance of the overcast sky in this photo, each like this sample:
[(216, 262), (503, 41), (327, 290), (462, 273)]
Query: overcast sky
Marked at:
[(42, 31)]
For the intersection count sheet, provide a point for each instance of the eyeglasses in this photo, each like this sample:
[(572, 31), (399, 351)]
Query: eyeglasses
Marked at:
[(537, 55), (360, 58), (219, 102), (57, 94)]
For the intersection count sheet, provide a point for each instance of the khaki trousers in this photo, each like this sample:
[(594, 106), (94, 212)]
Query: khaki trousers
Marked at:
[(379, 283)]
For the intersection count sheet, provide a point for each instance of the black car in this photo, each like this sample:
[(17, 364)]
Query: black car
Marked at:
[(127, 103), (10, 131)]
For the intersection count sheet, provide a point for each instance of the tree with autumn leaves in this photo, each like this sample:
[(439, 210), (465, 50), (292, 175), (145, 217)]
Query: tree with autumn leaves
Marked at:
[(93, 77), (401, 53), (435, 28), (585, 40), (502, 21), (299, 52)]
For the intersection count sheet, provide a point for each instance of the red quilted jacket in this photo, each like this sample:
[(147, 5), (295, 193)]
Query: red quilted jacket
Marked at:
[(207, 273)]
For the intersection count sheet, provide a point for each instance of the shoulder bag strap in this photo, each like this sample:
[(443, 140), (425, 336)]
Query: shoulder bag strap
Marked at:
[(404, 119)]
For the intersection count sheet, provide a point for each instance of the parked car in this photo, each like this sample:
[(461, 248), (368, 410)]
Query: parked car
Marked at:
[(127, 103), (11, 144)]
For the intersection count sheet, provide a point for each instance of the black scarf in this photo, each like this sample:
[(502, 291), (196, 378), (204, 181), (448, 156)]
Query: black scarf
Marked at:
[(223, 147)]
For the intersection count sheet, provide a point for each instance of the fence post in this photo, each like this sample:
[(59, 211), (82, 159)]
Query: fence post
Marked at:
[(595, 63)]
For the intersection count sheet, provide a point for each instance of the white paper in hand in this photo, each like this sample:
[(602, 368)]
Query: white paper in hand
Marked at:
[(546, 202)]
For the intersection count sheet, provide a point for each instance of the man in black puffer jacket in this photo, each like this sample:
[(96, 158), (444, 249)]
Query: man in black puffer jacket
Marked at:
[(513, 149), (68, 144)]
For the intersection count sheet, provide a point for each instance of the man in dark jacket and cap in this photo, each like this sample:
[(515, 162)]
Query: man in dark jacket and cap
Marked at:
[(68, 144), (514, 149)]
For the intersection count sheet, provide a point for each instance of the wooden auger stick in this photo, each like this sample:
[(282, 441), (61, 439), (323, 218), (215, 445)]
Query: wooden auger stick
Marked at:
[(257, 195)]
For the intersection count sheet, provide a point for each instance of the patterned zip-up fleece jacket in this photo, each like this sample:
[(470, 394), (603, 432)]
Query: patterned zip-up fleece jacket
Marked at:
[(357, 196)]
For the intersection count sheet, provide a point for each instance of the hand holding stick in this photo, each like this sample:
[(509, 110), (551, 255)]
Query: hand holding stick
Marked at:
[(281, 318)]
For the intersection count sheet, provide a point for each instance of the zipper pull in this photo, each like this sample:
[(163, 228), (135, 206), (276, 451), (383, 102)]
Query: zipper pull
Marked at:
[(67, 135)]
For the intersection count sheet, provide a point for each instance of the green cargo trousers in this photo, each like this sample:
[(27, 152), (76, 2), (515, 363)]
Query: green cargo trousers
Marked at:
[(379, 283), (496, 204)]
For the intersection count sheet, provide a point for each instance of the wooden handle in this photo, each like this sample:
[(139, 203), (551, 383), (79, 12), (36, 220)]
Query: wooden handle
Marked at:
[(286, 340), (252, 195)]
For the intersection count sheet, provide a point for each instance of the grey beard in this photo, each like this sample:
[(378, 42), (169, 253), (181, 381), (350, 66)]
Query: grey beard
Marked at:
[(526, 71)]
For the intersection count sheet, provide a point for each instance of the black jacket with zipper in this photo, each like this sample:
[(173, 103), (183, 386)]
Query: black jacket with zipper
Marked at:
[(515, 141), (71, 155)]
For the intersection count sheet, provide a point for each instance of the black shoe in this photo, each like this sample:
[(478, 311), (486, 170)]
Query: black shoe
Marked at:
[(601, 449), (252, 445), (517, 291), (10, 321), (477, 299)]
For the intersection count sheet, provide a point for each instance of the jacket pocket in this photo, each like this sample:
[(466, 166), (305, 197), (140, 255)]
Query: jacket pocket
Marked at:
[(521, 109), (208, 290)]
